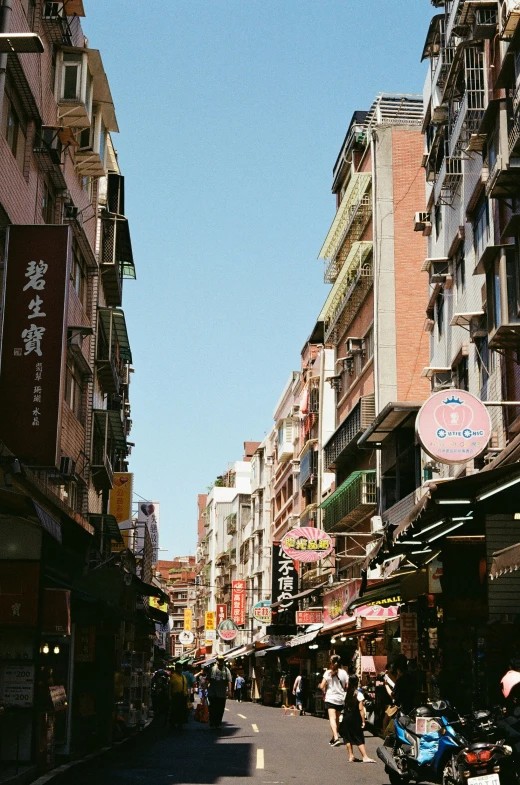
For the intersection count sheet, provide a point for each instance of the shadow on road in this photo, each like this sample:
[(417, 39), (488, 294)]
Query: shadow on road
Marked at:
[(197, 755)]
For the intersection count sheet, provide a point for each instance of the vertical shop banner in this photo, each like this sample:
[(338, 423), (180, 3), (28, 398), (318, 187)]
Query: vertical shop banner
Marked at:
[(36, 285), (238, 602), (19, 582), (221, 612), (120, 499), (409, 636), (188, 618), (148, 518), (284, 585), (210, 626)]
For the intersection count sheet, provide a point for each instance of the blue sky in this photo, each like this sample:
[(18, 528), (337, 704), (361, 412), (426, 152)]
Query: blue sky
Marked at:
[(232, 113)]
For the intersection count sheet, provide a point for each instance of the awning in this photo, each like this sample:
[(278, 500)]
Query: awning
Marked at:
[(390, 418), (102, 95), (506, 560), (412, 516), (149, 590), (18, 504), (113, 319), (239, 651), (263, 652), (289, 600), (433, 41), (107, 524), (161, 617), (107, 418), (306, 637), (388, 592)]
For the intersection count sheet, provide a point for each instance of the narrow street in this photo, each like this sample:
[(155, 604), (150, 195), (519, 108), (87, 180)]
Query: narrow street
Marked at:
[(256, 743)]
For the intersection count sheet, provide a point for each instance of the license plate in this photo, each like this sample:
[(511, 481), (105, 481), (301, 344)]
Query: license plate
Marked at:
[(486, 779)]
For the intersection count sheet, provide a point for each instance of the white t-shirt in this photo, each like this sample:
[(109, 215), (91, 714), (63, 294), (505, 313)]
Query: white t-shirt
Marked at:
[(336, 686)]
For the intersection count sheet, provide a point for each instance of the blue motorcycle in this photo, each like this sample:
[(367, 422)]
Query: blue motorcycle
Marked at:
[(423, 745)]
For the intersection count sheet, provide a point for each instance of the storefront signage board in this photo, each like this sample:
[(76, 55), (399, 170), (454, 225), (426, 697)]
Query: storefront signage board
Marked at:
[(309, 617), (186, 637), (227, 630), (221, 612), (409, 635), (238, 602), (284, 585), (307, 544), (453, 426), (336, 602), (17, 685), (262, 611)]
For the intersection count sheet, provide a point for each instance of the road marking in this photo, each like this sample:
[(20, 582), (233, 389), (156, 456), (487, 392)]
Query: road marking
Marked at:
[(255, 728), (259, 759), (227, 709), (243, 716)]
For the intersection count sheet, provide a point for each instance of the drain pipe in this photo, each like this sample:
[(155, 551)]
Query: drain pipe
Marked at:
[(5, 23)]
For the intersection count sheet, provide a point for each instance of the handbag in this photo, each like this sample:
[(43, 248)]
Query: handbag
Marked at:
[(201, 713), (391, 710)]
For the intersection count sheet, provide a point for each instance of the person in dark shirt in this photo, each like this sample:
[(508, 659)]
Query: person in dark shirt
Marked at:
[(404, 692)]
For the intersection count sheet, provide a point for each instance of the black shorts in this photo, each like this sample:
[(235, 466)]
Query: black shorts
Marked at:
[(335, 706)]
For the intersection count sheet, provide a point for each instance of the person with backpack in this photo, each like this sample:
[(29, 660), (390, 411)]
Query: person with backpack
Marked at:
[(220, 685), (334, 686), (354, 721)]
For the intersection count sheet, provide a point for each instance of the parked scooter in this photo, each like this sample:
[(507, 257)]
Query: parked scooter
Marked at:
[(434, 744)]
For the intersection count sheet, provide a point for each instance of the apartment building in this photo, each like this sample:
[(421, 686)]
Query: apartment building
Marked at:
[(285, 497), (177, 578), (373, 318), (65, 419)]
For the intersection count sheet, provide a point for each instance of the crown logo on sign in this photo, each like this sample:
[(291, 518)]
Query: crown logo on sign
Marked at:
[(453, 400)]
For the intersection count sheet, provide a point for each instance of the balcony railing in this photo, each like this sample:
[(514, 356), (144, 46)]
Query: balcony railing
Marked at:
[(356, 271), (448, 180), (353, 501), (348, 225), (357, 421)]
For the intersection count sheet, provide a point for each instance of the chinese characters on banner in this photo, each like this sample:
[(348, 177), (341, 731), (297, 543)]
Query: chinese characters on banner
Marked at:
[(187, 618), (284, 585), (148, 518), (221, 612), (309, 617), (238, 602), (210, 626), (120, 499), (34, 331), (409, 637)]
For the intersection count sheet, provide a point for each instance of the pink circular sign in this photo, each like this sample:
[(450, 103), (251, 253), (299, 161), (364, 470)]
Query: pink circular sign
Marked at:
[(453, 426), (307, 544)]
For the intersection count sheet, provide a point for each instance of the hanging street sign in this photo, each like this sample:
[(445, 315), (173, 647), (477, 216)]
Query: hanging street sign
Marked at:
[(262, 611), (307, 544), (453, 426), (186, 637), (227, 630)]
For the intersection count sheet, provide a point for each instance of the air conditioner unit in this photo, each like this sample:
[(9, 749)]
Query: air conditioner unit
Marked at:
[(420, 220), (440, 114), (71, 212), (355, 346), (508, 18), (53, 10), (478, 327), (376, 524), (67, 466), (440, 270), (295, 410), (76, 338), (442, 380), (125, 375)]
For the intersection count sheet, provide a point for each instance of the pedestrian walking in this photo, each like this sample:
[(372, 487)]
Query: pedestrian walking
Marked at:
[(219, 688), (354, 721), (283, 686), (190, 678), (334, 686), (301, 692), (178, 698), (240, 684)]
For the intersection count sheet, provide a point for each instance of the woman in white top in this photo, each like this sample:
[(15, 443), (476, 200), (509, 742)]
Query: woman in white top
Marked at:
[(334, 686)]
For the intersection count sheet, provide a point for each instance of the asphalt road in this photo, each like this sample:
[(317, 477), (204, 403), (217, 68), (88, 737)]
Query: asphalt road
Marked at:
[(256, 744)]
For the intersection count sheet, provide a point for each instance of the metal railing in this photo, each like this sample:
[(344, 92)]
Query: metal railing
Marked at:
[(357, 421), (351, 502)]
